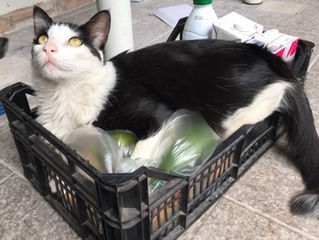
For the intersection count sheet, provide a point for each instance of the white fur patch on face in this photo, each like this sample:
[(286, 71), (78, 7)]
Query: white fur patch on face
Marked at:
[(67, 62), (263, 105), (61, 32)]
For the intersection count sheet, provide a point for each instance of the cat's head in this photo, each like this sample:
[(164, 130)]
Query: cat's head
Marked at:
[(63, 51)]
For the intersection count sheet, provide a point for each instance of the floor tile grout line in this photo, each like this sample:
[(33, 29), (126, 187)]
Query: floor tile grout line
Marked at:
[(17, 174), (251, 209), (12, 169), (191, 235), (6, 177)]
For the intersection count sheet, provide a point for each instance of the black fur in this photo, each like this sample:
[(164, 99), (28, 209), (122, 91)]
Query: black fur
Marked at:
[(39, 14), (86, 41), (302, 136), (99, 25), (214, 78), (304, 146)]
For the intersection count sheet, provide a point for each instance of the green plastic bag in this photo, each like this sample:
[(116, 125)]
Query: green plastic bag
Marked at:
[(183, 143), (126, 140), (187, 142)]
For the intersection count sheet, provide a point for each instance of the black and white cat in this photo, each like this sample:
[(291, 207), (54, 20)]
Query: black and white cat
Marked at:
[(230, 84)]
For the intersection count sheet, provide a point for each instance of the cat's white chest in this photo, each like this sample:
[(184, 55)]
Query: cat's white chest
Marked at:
[(67, 110), (64, 107)]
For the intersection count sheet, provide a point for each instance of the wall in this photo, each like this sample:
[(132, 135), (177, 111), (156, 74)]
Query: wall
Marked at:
[(7, 6), (13, 12)]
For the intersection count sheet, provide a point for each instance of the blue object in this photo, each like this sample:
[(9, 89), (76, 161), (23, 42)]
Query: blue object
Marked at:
[(2, 112)]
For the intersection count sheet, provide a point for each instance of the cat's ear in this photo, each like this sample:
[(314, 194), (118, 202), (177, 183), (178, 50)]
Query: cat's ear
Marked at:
[(98, 28), (41, 20)]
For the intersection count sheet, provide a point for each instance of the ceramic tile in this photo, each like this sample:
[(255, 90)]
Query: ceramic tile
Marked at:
[(231, 221), (8, 151), (192, 232), (15, 66), (312, 87), (268, 187), (24, 214), (146, 26), (301, 20), (281, 7), (4, 173), (79, 16), (43, 222), (17, 199)]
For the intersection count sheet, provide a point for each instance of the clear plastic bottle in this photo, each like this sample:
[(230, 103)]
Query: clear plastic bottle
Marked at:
[(199, 24)]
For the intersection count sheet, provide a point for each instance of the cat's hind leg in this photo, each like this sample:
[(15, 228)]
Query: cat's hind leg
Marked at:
[(264, 104), (303, 142), (304, 147)]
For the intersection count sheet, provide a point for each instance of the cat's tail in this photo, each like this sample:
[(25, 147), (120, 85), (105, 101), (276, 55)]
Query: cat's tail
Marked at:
[(303, 144)]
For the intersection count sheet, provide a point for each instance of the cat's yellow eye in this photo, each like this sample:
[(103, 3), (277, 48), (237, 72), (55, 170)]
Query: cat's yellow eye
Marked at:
[(75, 42), (42, 39)]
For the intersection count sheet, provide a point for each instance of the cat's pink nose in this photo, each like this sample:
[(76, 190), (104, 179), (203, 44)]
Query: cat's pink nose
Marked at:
[(50, 48)]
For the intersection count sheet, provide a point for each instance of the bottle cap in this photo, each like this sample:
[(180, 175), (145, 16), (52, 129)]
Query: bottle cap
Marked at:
[(202, 2)]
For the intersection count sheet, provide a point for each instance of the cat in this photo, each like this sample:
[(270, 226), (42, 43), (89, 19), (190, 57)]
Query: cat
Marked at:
[(230, 84)]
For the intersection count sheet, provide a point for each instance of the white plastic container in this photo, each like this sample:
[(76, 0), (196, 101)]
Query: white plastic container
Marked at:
[(235, 27), (199, 24)]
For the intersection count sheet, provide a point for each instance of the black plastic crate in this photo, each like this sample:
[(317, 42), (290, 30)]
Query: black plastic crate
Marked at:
[(119, 206)]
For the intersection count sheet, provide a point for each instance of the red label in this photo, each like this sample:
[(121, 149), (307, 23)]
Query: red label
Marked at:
[(293, 48), (281, 52)]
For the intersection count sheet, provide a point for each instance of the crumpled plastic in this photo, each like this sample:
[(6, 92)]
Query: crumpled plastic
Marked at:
[(126, 140), (187, 142), (97, 146), (184, 143)]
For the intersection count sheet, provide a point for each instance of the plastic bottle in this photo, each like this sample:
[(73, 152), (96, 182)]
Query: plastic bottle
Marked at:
[(199, 24)]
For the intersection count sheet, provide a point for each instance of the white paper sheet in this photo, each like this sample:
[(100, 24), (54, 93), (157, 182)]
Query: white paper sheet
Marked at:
[(172, 14)]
